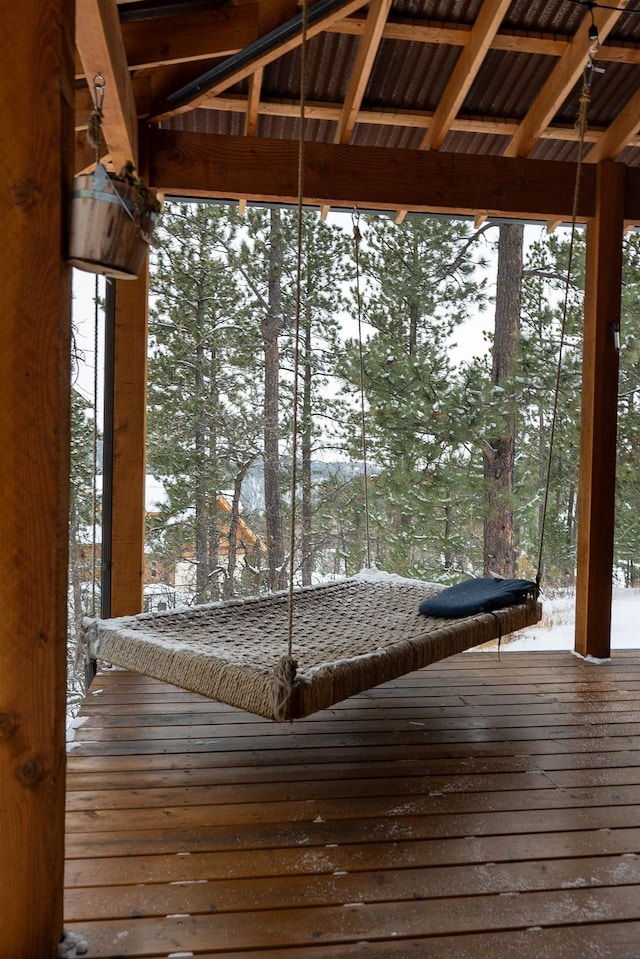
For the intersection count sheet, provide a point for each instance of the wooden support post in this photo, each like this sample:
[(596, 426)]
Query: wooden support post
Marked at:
[(36, 131), (129, 434), (596, 503)]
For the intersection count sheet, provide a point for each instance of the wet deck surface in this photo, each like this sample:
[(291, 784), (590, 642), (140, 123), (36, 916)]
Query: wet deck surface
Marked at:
[(478, 808)]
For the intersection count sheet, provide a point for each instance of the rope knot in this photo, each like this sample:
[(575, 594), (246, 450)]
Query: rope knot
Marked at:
[(94, 128), (284, 674)]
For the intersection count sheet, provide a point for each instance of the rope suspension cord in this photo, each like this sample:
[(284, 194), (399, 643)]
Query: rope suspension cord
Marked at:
[(298, 312), (94, 452), (357, 237), (581, 126), (94, 136)]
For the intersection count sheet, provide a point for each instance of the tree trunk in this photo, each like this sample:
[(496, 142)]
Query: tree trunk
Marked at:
[(207, 527), (234, 522), (306, 540), (271, 327), (201, 536), (499, 452)]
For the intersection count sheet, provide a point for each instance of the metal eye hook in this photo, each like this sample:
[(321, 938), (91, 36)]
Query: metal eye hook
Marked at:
[(99, 84)]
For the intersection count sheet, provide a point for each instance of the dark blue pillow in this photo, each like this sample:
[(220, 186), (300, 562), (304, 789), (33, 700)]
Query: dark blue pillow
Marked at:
[(478, 596)]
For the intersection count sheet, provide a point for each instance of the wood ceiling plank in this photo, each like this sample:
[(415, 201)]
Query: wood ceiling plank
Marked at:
[(264, 55), (561, 81), (465, 71), (101, 50), (273, 13), (210, 34), (163, 80), (192, 36), (365, 57)]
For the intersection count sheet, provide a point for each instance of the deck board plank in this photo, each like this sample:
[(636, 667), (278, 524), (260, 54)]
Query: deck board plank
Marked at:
[(479, 807)]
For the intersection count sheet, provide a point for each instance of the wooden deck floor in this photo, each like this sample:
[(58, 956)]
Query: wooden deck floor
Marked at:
[(479, 808)]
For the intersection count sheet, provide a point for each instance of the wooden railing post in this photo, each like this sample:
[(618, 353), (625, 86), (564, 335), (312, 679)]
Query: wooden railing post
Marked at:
[(129, 434), (597, 480), (36, 131)]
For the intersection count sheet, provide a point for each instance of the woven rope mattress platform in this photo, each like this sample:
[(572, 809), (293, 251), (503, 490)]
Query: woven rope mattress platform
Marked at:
[(347, 637)]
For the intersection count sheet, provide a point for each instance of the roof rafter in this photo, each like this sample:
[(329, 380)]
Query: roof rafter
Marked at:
[(101, 50), (365, 57), (560, 82), (367, 50), (619, 134), (465, 71), (208, 34), (202, 35), (253, 103), (256, 56)]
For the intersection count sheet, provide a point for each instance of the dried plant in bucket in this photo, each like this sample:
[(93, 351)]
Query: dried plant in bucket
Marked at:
[(113, 215)]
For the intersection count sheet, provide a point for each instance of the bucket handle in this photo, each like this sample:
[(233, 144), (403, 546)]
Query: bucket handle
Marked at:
[(101, 179)]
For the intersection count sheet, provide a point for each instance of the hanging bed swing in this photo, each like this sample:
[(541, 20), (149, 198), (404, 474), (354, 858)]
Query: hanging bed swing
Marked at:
[(349, 636), (290, 654)]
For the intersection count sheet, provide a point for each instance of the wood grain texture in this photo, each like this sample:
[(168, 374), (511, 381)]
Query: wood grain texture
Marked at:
[(36, 121), (190, 164), (561, 80), (129, 444), (477, 807), (599, 416), (101, 50)]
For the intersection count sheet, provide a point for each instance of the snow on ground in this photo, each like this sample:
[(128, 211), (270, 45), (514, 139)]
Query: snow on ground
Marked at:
[(556, 629)]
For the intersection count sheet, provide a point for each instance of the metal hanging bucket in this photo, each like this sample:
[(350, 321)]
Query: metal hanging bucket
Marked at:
[(109, 233)]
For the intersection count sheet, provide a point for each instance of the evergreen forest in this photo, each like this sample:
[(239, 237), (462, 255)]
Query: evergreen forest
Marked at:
[(324, 382)]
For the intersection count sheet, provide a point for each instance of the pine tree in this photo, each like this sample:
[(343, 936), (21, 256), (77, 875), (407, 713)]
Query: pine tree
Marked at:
[(266, 265), (544, 289), (204, 397), (499, 450), (627, 536), (421, 284), (84, 589)]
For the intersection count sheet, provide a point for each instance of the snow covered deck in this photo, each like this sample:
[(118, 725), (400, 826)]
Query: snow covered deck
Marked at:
[(478, 807)]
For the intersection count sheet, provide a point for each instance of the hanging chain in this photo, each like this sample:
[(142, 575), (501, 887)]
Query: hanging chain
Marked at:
[(581, 127), (298, 312), (357, 237)]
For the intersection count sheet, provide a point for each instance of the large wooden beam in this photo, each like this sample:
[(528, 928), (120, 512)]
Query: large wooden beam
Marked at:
[(129, 434), (365, 58), (561, 81), (207, 34), (101, 51), (191, 36), (270, 47), (596, 504), (619, 134), (464, 73), (36, 129), (256, 169)]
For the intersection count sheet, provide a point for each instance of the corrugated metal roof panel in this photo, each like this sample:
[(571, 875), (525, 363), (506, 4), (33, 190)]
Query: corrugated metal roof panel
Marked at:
[(411, 76)]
